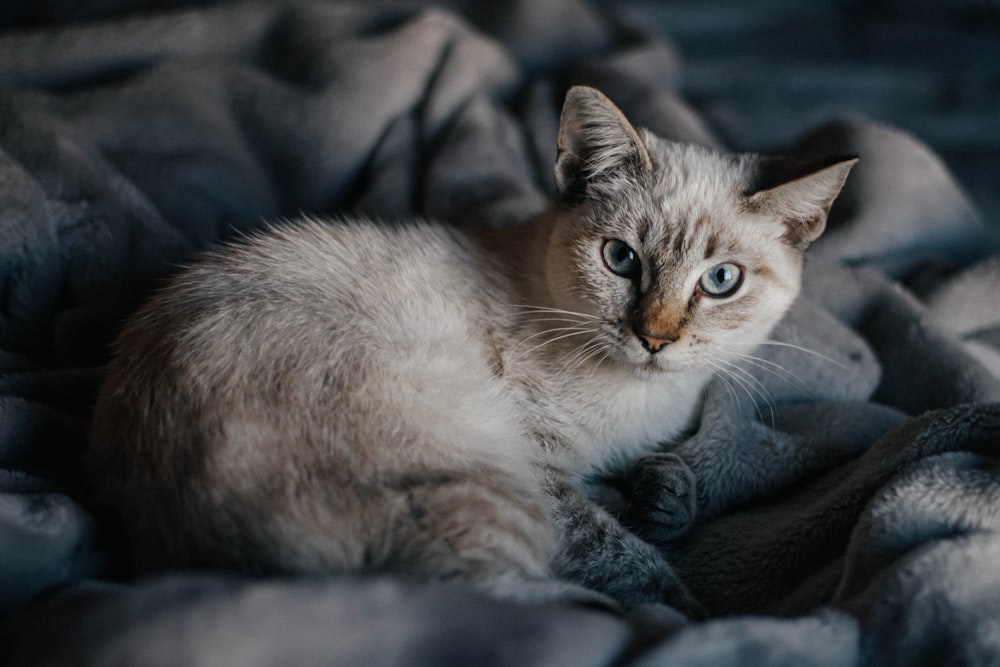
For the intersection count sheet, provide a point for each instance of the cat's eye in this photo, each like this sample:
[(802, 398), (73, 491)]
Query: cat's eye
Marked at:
[(621, 259), (721, 280)]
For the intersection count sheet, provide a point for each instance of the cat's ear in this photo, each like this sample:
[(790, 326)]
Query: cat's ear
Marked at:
[(596, 143), (798, 192)]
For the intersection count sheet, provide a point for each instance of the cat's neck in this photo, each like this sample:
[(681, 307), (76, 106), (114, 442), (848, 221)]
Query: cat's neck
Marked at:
[(520, 250)]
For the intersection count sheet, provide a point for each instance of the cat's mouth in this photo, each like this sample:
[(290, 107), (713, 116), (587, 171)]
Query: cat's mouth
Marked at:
[(657, 363), (646, 358), (653, 367)]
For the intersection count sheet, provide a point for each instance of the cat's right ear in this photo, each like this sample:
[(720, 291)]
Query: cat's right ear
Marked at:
[(799, 192), (596, 143)]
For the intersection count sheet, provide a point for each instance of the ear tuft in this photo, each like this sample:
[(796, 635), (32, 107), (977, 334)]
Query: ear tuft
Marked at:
[(595, 142), (799, 192)]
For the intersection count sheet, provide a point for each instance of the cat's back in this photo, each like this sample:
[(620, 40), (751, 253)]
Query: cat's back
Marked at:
[(349, 271), (302, 298)]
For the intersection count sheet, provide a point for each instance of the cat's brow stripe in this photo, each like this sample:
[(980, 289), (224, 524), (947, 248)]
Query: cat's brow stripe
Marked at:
[(678, 246), (765, 271), (710, 247)]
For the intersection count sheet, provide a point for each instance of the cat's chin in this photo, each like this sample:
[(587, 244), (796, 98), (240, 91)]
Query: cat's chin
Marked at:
[(651, 366), (632, 357), (652, 371)]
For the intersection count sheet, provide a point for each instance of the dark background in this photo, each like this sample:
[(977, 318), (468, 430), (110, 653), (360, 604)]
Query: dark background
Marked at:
[(932, 68)]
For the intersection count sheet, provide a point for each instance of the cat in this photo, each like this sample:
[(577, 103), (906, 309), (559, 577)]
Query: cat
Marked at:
[(434, 402)]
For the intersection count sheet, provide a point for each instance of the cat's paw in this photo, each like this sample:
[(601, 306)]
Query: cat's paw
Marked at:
[(663, 499), (645, 577)]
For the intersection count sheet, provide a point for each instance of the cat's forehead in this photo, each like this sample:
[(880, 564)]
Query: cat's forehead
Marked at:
[(692, 181), (688, 204), (693, 198)]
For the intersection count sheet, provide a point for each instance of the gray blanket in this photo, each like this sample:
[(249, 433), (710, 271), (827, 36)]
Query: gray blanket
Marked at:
[(863, 529)]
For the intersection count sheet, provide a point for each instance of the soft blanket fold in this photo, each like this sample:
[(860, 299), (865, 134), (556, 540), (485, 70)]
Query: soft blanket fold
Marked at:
[(863, 529)]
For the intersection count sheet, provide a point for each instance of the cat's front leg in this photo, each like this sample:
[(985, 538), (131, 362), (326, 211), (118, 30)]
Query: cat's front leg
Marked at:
[(661, 499), (596, 551)]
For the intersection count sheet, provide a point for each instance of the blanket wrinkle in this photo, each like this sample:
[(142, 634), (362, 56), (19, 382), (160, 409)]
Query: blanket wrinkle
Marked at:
[(542, 36), (968, 302), (941, 497), (924, 367), (825, 637), (217, 620), (813, 523), (494, 188), (642, 77), (938, 587), (856, 522), (901, 206)]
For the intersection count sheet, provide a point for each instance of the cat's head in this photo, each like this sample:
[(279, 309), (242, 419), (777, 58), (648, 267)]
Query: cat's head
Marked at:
[(681, 253)]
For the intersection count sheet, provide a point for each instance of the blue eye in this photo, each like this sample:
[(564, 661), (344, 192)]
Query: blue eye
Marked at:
[(621, 259), (721, 280)]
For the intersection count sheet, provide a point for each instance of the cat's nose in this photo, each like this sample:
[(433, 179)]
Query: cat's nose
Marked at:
[(655, 343)]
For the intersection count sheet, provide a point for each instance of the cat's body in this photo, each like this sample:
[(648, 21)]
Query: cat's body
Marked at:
[(358, 397)]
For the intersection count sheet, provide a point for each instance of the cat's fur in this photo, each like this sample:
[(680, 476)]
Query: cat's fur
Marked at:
[(360, 397)]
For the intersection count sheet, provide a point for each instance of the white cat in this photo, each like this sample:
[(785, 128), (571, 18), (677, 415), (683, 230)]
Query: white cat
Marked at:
[(346, 397)]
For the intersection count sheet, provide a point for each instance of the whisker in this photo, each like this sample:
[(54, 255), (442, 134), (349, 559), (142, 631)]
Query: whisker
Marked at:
[(748, 389), (558, 319), (754, 384), (720, 373), (573, 331), (578, 357), (607, 353), (528, 308), (578, 328), (744, 373), (777, 343), (771, 367), (726, 376), (581, 353), (586, 352)]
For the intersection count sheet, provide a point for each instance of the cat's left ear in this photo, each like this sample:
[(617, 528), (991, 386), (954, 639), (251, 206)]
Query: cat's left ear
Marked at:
[(800, 193), (596, 143)]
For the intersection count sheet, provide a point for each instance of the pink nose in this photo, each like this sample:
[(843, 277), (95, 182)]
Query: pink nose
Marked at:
[(655, 343)]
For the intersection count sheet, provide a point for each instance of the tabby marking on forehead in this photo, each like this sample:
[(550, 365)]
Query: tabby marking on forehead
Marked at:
[(710, 247)]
